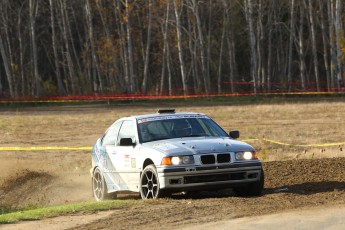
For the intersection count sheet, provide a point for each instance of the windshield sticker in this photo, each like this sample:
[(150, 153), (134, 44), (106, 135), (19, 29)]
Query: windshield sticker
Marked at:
[(159, 118), (165, 146)]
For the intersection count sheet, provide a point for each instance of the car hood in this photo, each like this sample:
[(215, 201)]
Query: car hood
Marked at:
[(199, 145)]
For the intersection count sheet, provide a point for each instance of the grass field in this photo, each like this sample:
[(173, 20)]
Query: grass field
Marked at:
[(296, 122)]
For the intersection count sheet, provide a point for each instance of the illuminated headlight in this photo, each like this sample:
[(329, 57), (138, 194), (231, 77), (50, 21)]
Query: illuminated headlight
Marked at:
[(175, 160), (246, 156), (178, 160)]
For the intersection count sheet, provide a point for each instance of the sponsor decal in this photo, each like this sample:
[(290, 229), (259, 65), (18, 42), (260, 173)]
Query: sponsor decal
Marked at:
[(133, 162), (159, 118), (126, 161), (98, 154)]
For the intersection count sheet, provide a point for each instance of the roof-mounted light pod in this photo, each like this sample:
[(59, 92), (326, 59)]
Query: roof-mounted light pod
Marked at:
[(166, 111)]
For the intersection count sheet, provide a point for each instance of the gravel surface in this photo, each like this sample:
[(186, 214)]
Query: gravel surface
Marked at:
[(296, 184)]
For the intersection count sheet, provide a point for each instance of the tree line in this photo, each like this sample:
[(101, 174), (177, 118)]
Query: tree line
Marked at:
[(170, 47)]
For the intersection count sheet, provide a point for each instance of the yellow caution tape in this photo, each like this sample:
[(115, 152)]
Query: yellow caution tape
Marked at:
[(43, 148), (296, 145)]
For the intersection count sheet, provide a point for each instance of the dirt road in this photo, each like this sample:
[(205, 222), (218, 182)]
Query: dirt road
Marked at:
[(330, 218), (290, 185)]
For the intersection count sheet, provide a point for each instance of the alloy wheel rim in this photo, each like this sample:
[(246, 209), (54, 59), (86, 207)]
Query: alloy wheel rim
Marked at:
[(149, 185)]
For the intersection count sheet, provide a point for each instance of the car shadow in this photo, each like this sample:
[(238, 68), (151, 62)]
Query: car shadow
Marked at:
[(308, 188), (204, 194)]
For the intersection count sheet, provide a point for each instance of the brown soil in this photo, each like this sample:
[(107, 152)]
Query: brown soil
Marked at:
[(44, 178), (289, 185)]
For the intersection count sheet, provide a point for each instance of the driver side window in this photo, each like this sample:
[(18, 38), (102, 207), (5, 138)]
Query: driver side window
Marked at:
[(127, 131)]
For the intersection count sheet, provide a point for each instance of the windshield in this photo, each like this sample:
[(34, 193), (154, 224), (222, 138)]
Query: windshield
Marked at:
[(165, 128)]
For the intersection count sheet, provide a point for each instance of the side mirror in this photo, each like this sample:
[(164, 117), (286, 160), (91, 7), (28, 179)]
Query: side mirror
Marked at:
[(126, 142), (234, 134)]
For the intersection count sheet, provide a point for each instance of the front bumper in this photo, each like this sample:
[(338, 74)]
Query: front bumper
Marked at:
[(184, 178)]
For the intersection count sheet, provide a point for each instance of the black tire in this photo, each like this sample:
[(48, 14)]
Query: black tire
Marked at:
[(149, 184), (252, 189), (99, 187)]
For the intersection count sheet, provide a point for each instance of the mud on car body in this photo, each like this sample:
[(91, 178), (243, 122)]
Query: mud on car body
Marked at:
[(158, 154)]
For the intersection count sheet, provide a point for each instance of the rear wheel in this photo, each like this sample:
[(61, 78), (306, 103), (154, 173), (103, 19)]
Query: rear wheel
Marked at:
[(252, 189), (99, 187), (149, 184)]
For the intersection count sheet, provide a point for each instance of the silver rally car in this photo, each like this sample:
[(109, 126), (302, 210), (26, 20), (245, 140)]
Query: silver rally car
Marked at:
[(158, 154)]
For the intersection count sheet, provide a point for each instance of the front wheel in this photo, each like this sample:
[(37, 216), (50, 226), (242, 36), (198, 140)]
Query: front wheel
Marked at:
[(149, 183), (252, 189)]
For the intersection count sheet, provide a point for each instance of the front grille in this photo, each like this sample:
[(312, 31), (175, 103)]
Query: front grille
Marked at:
[(215, 158), (214, 178), (223, 158), (208, 159)]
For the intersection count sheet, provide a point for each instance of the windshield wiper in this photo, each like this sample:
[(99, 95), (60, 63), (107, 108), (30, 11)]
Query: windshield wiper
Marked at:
[(159, 139)]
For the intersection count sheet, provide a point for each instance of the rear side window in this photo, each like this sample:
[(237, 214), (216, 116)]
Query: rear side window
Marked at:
[(110, 137)]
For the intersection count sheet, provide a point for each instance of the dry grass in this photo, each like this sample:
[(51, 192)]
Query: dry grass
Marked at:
[(294, 123)]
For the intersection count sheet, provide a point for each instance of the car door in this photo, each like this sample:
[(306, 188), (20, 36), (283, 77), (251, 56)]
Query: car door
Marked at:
[(123, 157), (107, 162)]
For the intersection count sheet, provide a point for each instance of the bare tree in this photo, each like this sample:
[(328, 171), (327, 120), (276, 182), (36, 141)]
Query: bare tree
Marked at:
[(225, 24), (177, 7), (332, 47), (205, 76), (7, 67), (338, 32), (67, 50), (301, 46), (166, 52), (122, 43), (148, 45), (5, 46), (21, 51), (269, 56), (209, 42), (252, 42), (292, 34), (33, 8), (61, 88), (313, 40), (132, 79), (259, 46), (231, 45), (198, 80), (324, 43), (95, 68)]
